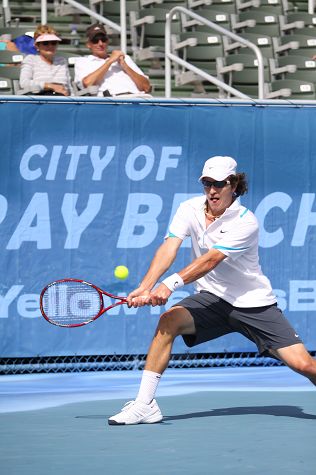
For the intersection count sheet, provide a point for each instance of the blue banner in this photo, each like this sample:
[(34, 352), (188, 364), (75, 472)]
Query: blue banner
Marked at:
[(88, 186)]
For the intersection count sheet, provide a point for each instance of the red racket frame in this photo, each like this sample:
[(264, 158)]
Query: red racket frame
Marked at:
[(122, 300)]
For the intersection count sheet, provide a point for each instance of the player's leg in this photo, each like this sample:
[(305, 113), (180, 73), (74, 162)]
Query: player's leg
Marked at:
[(198, 318), (269, 329), (297, 358), (174, 322)]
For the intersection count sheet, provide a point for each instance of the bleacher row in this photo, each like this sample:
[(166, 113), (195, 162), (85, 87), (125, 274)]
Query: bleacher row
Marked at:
[(283, 31)]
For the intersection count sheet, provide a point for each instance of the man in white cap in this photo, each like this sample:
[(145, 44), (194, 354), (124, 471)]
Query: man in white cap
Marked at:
[(232, 294)]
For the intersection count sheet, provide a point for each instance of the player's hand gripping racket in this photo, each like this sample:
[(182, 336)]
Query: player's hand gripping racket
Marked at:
[(74, 303)]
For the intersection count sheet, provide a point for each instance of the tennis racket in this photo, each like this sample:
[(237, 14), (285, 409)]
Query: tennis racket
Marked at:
[(74, 303)]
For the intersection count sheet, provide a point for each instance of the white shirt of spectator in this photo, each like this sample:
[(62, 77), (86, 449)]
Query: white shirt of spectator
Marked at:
[(116, 81), (238, 279)]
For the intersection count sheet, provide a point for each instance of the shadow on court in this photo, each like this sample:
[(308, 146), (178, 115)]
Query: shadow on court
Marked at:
[(279, 411)]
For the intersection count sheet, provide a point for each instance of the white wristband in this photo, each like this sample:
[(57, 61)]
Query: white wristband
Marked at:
[(173, 282)]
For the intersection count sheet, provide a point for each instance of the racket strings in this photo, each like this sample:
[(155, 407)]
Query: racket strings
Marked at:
[(73, 303)]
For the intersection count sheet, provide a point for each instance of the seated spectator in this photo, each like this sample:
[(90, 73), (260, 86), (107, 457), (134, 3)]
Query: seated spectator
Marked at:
[(25, 44), (7, 45), (114, 73), (22, 44), (45, 73)]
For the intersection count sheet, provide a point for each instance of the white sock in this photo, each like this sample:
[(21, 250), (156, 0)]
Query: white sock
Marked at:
[(148, 386)]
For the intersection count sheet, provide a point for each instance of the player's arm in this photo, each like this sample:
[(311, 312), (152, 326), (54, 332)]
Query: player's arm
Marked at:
[(195, 270), (201, 266), (163, 259)]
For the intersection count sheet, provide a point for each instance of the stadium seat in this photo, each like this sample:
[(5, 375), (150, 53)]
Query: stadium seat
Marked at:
[(307, 18), (245, 77), (6, 87), (148, 32), (223, 19), (264, 23), (275, 7), (167, 4), (200, 49), (291, 89), (16, 31), (112, 9), (306, 31), (295, 44), (299, 22), (23, 13), (227, 6), (263, 42), (11, 57), (61, 8), (298, 67), (301, 5), (13, 74)]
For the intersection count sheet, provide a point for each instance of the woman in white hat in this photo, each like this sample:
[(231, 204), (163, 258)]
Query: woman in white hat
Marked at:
[(45, 73)]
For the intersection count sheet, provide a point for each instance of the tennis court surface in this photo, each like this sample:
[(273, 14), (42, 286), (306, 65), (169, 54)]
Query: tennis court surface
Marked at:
[(216, 421)]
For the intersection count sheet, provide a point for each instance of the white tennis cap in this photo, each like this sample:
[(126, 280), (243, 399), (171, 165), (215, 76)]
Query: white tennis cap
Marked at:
[(219, 168)]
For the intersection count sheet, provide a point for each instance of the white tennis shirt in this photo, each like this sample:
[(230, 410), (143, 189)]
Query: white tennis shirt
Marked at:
[(238, 279), (116, 81)]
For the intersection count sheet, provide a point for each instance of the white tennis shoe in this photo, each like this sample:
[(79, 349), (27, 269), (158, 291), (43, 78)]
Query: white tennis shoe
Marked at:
[(137, 412)]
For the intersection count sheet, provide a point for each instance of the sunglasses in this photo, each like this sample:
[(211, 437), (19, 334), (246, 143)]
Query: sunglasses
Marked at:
[(48, 43), (216, 184), (96, 39)]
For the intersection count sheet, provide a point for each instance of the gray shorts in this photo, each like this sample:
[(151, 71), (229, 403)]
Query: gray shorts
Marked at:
[(213, 317)]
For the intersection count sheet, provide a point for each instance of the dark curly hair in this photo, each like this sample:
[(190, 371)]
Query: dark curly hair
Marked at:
[(242, 185)]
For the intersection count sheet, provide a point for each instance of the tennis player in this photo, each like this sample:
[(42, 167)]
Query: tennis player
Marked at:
[(232, 294)]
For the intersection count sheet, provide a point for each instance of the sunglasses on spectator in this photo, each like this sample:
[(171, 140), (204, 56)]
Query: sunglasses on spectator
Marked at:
[(96, 39), (216, 184), (48, 43)]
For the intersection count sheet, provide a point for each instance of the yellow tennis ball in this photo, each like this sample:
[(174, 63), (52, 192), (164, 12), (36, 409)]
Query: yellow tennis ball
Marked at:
[(121, 272)]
